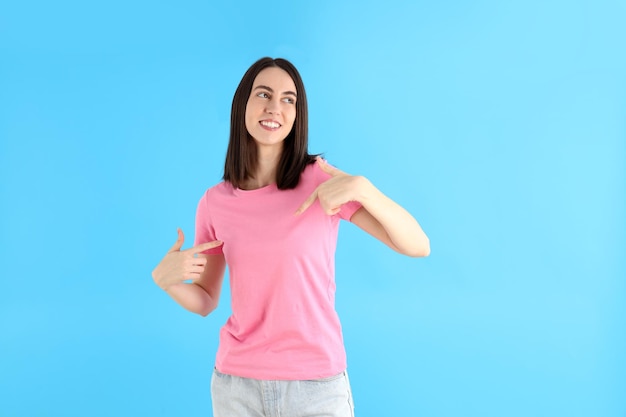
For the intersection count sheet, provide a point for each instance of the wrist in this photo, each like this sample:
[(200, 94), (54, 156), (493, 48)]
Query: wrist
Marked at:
[(163, 285), (365, 190)]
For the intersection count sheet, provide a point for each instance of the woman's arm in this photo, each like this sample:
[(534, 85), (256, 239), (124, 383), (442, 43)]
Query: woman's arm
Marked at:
[(202, 295), (206, 273), (388, 222), (380, 216)]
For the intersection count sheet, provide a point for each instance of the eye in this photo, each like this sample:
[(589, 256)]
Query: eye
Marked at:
[(289, 100), (263, 95)]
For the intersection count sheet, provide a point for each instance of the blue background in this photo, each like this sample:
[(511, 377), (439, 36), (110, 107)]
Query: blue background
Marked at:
[(499, 124)]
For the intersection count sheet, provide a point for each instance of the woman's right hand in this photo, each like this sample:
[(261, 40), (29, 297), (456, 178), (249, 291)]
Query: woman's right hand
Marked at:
[(178, 266)]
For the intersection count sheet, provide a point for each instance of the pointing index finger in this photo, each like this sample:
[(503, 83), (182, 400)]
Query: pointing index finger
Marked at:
[(329, 169), (307, 203), (205, 246)]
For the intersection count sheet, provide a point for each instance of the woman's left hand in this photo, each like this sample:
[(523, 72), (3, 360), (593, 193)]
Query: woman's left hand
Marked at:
[(336, 191)]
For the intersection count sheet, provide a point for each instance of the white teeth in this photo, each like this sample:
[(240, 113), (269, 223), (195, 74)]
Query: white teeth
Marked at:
[(272, 125)]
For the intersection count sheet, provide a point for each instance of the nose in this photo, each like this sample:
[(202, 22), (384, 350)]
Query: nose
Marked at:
[(272, 107)]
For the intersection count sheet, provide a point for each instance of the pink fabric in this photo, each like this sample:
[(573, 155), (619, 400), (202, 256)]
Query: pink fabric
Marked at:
[(282, 279)]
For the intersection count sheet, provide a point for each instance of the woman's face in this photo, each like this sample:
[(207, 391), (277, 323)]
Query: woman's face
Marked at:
[(271, 107)]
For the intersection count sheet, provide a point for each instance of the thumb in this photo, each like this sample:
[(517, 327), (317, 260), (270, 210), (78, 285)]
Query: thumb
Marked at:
[(179, 242)]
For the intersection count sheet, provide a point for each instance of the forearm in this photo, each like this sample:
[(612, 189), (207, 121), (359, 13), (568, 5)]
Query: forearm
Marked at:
[(403, 231), (192, 297)]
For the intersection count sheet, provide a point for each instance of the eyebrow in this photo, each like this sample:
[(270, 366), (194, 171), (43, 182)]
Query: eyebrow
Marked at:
[(264, 87)]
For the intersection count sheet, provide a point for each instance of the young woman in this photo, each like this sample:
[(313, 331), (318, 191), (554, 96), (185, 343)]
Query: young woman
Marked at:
[(274, 222)]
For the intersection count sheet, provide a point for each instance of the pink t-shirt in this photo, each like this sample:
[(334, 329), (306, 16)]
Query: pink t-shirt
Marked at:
[(282, 279)]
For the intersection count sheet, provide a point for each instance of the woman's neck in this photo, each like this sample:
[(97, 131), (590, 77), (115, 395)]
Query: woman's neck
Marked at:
[(267, 166)]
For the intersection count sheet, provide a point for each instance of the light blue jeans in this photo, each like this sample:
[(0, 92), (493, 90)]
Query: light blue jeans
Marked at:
[(234, 396)]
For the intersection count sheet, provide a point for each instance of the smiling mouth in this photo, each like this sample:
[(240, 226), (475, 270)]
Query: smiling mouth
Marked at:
[(269, 124)]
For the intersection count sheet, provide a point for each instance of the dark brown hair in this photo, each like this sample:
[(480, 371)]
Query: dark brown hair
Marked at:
[(241, 156)]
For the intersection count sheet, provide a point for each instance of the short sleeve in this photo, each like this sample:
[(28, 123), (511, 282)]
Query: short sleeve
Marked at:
[(205, 231), (348, 209)]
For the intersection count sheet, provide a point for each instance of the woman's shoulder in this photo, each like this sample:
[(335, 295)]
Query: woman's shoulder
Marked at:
[(317, 171), (312, 174), (220, 189)]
